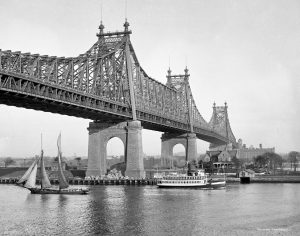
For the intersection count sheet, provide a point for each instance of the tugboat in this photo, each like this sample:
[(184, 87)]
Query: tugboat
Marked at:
[(28, 180), (193, 179)]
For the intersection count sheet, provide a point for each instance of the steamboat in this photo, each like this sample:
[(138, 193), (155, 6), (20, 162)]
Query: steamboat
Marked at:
[(193, 179)]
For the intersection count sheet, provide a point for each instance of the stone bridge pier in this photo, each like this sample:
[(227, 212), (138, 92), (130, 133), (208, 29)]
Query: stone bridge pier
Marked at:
[(169, 140), (131, 135)]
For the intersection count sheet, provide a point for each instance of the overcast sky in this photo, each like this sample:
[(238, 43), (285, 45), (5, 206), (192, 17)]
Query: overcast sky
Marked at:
[(246, 53)]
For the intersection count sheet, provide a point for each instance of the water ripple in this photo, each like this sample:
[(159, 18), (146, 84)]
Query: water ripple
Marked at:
[(256, 209)]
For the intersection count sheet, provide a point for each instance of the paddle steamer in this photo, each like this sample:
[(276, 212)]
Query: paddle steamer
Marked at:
[(193, 179)]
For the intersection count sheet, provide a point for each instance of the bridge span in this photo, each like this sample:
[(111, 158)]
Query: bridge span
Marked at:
[(108, 85)]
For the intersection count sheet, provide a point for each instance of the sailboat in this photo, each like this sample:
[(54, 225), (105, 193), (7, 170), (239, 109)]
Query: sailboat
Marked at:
[(28, 180)]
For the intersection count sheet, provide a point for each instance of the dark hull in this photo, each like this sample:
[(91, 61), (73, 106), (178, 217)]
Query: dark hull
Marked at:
[(20, 185), (59, 191)]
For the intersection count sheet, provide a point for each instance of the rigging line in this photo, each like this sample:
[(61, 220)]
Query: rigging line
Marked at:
[(41, 141), (101, 5), (186, 61), (125, 9)]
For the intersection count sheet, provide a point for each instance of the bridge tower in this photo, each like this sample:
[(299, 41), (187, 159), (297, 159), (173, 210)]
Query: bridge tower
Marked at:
[(188, 140), (130, 132), (220, 123)]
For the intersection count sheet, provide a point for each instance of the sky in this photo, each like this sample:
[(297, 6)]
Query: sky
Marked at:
[(246, 53)]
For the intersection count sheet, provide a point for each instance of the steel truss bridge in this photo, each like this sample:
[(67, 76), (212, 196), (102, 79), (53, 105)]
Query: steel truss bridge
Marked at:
[(108, 84)]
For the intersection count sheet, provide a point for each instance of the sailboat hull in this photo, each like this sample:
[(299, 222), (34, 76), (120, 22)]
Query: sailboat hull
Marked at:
[(58, 191)]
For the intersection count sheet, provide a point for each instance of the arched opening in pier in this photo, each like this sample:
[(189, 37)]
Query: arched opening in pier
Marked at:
[(115, 152), (178, 156)]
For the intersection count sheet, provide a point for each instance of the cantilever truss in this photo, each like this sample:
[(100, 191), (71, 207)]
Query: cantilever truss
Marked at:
[(100, 79), (220, 122), (185, 98)]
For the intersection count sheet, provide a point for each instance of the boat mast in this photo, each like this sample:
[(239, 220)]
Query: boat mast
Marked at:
[(42, 161)]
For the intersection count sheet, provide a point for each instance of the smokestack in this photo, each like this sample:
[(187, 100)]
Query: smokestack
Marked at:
[(260, 146)]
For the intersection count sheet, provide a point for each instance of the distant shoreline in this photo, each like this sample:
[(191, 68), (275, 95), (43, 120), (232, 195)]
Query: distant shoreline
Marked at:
[(273, 179), (269, 179), (14, 173)]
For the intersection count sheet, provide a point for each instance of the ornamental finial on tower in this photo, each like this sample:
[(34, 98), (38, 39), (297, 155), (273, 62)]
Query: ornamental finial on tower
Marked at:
[(169, 81), (126, 25), (169, 72), (186, 71), (225, 104), (101, 28)]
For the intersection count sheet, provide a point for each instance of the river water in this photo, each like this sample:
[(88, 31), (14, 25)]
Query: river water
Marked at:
[(254, 209)]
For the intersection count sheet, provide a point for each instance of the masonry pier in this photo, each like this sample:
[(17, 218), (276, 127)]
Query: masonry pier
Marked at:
[(131, 135), (169, 140)]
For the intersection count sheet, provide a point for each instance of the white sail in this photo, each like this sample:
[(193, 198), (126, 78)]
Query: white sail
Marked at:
[(30, 183), (61, 178), (27, 173), (45, 182)]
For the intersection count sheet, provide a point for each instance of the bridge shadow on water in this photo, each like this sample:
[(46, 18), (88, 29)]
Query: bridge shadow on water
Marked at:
[(120, 203)]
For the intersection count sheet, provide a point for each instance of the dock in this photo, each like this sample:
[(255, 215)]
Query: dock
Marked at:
[(92, 181)]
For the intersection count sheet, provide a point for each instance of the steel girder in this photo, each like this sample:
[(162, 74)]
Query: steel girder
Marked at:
[(98, 81), (220, 122)]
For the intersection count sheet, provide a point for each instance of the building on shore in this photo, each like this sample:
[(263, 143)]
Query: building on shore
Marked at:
[(220, 159), (247, 154), (222, 156), (77, 163)]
